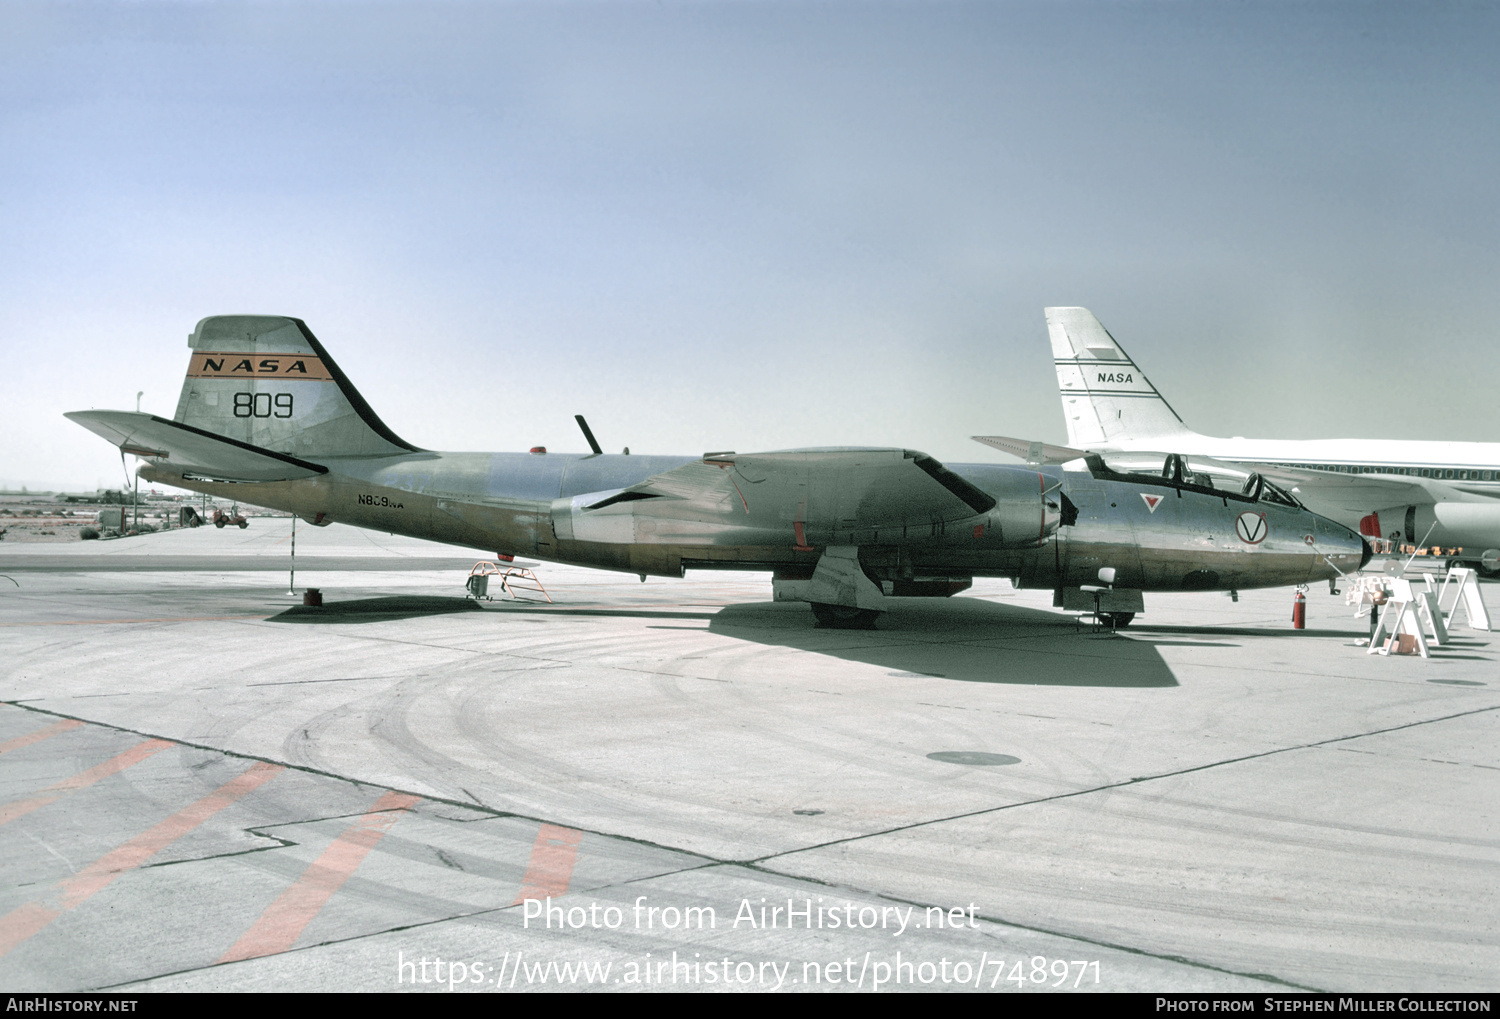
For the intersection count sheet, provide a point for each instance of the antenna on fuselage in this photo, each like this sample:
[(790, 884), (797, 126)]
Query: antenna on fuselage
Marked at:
[(588, 434)]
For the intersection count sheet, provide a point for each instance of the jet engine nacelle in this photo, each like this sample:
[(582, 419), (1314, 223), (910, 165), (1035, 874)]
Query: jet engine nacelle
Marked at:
[(1029, 506), (1469, 525)]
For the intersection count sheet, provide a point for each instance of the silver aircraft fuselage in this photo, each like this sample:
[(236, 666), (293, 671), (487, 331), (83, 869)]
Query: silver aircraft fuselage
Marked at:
[(1050, 527)]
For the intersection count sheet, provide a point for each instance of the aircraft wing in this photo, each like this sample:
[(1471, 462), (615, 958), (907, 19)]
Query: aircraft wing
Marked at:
[(1031, 451), (855, 487), (1364, 492), (1355, 493), (192, 450), (1332, 490)]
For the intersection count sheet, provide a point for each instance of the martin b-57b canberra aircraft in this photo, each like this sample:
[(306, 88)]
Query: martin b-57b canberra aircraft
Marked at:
[(266, 417)]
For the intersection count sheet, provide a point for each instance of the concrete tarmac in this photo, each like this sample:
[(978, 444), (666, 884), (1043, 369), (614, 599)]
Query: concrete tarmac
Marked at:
[(206, 786)]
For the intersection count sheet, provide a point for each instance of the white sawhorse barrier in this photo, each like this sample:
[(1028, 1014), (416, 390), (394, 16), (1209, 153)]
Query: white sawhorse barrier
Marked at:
[(1418, 611), (1461, 587), (1406, 612)]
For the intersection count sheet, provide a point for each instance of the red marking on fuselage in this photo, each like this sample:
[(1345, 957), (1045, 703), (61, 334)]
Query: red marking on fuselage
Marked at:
[(802, 545), (1041, 534)]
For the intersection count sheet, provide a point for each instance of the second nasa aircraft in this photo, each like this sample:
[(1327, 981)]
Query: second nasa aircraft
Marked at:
[(1444, 494), (267, 417)]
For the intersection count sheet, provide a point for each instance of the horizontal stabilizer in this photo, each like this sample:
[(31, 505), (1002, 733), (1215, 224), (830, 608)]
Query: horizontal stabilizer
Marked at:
[(1030, 451), (192, 451)]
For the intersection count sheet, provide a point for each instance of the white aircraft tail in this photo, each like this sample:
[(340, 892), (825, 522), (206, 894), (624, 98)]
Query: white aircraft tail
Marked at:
[(1106, 397)]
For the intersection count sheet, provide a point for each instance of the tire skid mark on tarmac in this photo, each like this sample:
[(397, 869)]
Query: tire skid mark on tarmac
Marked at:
[(1129, 783), (551, 866), (29, 919), (468, 805), (691, 860)]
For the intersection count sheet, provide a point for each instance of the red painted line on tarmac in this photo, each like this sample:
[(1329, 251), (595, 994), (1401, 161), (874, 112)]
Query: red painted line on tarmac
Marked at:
[(97, 622), (83, 779), (23, 922), (39, 735), (138, 850), (285, 919), (551, 866), (115, 764), (21, 808)]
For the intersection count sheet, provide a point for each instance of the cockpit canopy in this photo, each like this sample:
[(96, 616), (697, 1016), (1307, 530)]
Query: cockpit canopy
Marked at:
[(1261, 490), (1190, 473)]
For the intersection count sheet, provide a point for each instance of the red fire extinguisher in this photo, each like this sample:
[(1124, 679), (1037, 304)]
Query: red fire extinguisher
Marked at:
[(1299, 611)]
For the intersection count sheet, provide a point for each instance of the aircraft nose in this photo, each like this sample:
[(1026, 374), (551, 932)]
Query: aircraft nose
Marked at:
[(1341, 547)]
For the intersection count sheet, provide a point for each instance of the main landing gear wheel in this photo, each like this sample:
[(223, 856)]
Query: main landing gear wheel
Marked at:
[(1116, 620), (844, 617), (1488, 566)]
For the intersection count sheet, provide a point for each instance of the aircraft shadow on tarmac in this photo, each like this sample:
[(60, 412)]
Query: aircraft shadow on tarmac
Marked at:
[(964, 639), (375, 610)]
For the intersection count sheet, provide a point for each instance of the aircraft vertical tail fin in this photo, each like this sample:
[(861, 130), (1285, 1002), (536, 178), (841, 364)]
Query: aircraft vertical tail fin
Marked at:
[(265, 380), (1106, 397)]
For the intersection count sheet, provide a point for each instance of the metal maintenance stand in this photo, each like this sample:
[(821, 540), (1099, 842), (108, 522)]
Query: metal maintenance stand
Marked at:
[(514, 576)]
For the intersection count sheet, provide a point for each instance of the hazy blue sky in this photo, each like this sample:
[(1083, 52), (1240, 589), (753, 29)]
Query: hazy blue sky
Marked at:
[(755, 225)]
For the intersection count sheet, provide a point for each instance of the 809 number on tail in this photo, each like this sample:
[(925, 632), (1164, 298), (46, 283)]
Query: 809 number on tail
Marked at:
[(262, 405)]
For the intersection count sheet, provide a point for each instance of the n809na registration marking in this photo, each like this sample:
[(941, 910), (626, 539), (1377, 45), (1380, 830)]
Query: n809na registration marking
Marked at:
[(384, 502)]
